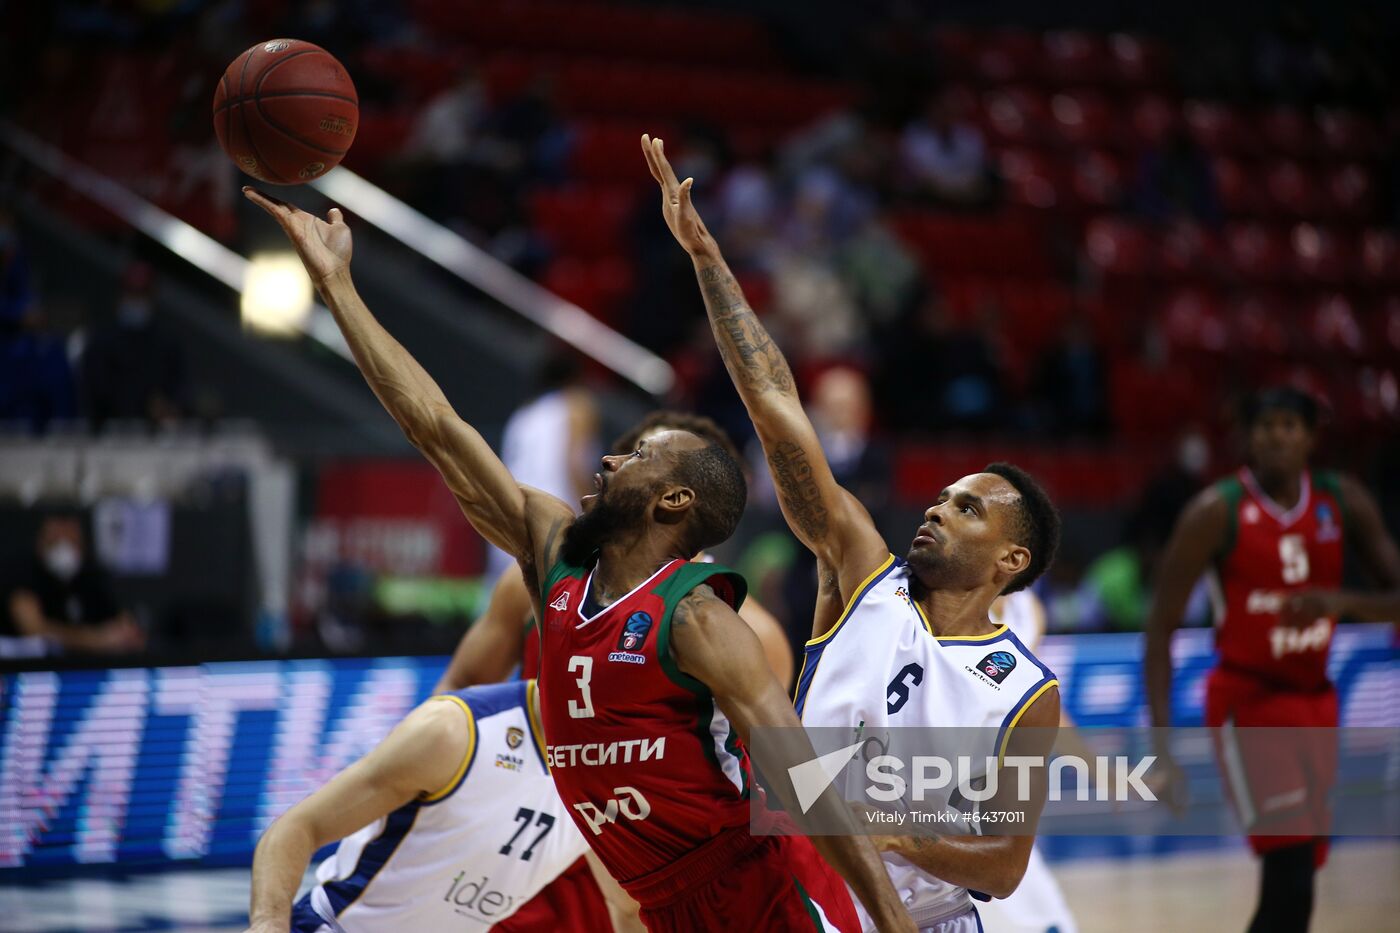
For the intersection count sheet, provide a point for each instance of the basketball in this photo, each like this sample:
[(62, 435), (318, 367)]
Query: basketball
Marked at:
[(286, 111)]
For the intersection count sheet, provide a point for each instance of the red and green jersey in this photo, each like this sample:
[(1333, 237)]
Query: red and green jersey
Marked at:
[(1269, 554), (641, 754)]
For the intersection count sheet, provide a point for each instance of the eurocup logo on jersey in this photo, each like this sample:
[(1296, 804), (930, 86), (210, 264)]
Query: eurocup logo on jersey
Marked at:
[(1327, 527), (634, 633), (997, 665)]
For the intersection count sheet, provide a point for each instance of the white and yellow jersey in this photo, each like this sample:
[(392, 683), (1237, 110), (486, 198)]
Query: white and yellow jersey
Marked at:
[(1023, 613), (467, 857), (881, 667)]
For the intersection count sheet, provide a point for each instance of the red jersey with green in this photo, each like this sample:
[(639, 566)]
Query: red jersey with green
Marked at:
[(648, 765), (1270, 554)]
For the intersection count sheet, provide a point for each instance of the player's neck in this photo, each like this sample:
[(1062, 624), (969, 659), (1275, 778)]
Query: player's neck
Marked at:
[(1284, 488), (627, 562), (958, 612)]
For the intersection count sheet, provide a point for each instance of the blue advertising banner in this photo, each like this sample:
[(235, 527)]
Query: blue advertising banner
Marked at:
[(190, 764)]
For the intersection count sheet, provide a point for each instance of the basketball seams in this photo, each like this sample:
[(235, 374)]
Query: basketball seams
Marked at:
[(278, 126), (276, 95), (276, 177)]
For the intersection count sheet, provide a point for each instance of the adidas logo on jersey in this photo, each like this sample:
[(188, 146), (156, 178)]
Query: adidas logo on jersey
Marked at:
[(562, 603)]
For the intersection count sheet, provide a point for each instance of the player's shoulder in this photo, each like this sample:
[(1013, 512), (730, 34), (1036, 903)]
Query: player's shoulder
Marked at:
[(479, 702)]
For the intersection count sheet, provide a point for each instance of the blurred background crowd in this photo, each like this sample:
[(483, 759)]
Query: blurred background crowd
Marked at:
[(1069, 238)]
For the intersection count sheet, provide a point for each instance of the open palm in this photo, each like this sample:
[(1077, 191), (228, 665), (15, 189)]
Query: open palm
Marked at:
[(323, 245), (676, 206)]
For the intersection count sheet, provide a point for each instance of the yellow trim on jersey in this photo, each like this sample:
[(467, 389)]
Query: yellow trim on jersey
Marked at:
[(923, 616), (851, 603), (1000, 630), (532, 689), (1025, 705), (466, 759)]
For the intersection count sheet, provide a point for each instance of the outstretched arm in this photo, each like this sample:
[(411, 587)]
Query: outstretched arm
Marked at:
[(714, 646), (826, 518), (496, 641), (514, 518), (420, 757)]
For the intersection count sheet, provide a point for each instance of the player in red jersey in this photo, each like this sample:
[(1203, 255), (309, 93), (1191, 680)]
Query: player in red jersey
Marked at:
[(690, 861), (506, 635), (1273, 534)]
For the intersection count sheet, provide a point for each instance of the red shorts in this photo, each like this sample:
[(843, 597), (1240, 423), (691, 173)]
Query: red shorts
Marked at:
[(1278, 758), (742, 882), (573, 901)]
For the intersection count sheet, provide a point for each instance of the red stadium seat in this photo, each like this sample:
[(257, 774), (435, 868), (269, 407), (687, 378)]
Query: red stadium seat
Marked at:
[(952, 245), (1192, 320), (1240, 193), (1218, 128), (1259, 323), (1385, 332), (1333, 327), (1153, 118), (1257, 252), (1189, 252), (1032, 179), (1349, 135), (1018, 115), (1100, 178), (1137, 61), (1121, 247), (1291, 190), (1321, 255), (582, 222), (1070, 57), (1286, 131), (1349, 193), (1380, 258), (1085, 118), (1008, 55), (608, 152)]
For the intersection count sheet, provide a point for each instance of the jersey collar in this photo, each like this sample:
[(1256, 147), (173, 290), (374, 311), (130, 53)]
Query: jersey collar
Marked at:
[(588, 588), (1284, 518)]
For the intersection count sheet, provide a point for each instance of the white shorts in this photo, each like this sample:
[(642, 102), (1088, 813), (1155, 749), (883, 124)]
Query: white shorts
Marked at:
[(967, 922), (1036, 906)]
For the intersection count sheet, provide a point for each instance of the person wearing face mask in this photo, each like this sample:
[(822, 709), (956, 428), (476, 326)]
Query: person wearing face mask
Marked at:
[(66, 601), (134, 368)]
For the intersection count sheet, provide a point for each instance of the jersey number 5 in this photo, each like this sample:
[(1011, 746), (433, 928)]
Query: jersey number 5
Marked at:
[(1294, 556), (583, 666)]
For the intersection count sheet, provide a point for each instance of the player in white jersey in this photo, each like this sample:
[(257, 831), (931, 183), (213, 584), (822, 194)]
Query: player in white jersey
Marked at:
[(1037, 905), (452, 822), (896, 642)]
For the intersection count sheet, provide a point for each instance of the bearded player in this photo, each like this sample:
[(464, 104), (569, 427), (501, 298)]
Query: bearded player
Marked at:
[(506, 636), (649, 680), (897, 642), (1273, 536)]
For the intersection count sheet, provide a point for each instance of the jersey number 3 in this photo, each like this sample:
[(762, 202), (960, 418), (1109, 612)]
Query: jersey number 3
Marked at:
[(1294, 556), (583, 666)]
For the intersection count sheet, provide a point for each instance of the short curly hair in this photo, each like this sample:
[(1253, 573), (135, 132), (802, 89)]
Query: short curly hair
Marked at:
[(1036, 524), (667, 420)]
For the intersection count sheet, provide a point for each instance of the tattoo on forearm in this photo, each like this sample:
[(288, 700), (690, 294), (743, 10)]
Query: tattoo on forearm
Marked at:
[(749, 353), (802, 498)]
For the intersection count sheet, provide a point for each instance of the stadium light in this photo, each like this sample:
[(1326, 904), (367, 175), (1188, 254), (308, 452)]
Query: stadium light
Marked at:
[(277, 296)]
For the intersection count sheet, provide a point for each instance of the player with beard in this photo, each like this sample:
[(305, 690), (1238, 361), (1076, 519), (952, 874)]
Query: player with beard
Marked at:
[(897, 642), (649, 680)]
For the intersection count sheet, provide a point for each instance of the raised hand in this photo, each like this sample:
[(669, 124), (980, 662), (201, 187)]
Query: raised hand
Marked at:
[(681, 216), (323, 245)]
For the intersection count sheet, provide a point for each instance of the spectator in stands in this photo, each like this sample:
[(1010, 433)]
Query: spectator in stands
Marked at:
[(943, 375), (1070, 385), (133, 368), (36, 382), (943, 156), (65, 600), (1175, 181)]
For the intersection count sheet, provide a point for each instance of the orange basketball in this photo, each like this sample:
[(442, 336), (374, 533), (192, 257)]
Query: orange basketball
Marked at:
[(286, 111)]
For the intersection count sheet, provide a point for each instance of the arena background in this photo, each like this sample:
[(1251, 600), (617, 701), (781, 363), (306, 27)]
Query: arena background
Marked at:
[(1151, 210)]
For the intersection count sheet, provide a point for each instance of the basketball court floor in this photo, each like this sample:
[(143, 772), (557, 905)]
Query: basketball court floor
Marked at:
[(1189, 893)]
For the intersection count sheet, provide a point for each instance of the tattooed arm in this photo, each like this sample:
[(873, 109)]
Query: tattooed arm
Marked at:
[(830, 521), (522, 521)]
